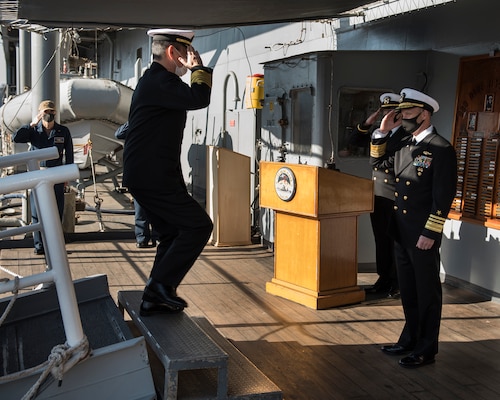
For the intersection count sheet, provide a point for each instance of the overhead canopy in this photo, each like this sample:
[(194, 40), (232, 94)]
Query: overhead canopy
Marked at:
[(181, 14)]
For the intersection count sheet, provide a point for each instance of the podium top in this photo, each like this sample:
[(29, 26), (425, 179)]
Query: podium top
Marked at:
[(313, 191)]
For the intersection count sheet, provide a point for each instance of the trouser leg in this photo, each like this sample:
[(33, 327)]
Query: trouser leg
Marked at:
[(183, 227)]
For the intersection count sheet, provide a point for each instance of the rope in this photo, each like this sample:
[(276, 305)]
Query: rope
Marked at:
[(59, 359), (12, 300), (97, 199)]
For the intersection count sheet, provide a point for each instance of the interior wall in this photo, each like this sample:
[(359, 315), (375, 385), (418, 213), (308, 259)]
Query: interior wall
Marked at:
[(372, 70), (471, 253)]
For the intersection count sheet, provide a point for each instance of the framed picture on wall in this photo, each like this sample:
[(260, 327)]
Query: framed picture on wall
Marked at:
[(472, 121), (488, 101)]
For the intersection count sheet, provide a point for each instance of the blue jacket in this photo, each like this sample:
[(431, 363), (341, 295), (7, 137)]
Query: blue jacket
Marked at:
[(59, 137)]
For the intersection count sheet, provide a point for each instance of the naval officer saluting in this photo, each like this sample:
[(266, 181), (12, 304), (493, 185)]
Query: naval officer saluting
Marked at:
[(383, 187), (426, 177), (152, 167)]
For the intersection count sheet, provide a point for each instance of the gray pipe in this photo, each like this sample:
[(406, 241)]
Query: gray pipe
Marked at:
[(45, 69)]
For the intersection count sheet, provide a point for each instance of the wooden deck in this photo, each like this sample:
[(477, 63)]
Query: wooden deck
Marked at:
[(310, 354)]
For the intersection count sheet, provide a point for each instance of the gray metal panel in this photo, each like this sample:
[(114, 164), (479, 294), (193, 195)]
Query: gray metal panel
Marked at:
[(120, 371), (34, 326), (151, 13)]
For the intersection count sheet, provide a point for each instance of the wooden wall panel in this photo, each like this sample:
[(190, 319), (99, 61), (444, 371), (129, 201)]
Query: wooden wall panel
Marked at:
[(476, 135)]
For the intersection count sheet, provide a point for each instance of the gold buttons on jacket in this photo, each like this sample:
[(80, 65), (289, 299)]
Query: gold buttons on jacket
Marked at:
[(385, 181), (396, 194), (404, 211), (397, 179), (386, 171), (395, 207), (407, 183), (405, 197)]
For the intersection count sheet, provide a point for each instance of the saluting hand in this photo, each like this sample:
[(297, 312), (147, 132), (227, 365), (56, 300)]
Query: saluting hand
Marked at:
[(372, 118), (37, 119), (391, 120), (193, 58)]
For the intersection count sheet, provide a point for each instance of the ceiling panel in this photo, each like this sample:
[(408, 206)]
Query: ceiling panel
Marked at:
[(180, 14)]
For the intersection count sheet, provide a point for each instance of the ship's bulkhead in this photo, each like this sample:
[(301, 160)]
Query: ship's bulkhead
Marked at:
[(312, 105)]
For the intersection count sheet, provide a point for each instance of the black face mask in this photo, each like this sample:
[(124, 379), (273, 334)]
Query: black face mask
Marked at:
[(411, 125), (48, 117)]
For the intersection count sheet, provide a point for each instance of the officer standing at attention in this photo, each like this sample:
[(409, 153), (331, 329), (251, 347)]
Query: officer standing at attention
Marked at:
[(41, 133), (426, 177), (383, 181), (152, 168)]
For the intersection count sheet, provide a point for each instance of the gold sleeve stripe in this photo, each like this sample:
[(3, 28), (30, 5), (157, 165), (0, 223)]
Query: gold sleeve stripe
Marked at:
[(377, 150), (435, 223), (362, 130), (200, 76)]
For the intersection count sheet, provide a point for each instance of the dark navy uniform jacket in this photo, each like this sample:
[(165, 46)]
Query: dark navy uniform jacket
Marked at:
[(156, 125), (426, 181), (383, 174), (59, 136)]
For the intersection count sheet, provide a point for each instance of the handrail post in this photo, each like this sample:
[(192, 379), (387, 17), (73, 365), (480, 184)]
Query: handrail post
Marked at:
[(58, 261), (42, 185)]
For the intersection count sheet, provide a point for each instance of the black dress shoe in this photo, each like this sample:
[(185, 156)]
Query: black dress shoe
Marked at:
[(395, 349), (148, 308), (142, 245), (39, 251), (414, 361), (394, 294), (379, 287), (158, 293)]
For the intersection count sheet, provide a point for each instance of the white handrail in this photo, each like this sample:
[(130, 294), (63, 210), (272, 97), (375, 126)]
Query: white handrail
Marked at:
[(31, 179), (42, 184), (29, 158)]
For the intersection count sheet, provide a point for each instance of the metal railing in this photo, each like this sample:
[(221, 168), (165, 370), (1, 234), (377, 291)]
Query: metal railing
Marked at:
[(41, 183)]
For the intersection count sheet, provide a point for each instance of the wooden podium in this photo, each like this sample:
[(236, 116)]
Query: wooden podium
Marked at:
[(228, 196), (315, 259)]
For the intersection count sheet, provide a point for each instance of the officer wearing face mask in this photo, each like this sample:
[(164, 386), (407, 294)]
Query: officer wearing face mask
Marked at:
[(425, 168), (383, 184), (41, 133), (152, 168)]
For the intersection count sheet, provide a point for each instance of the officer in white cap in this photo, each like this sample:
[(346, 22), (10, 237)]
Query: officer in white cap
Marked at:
[(152, 167), (182, 36), (388, 101), (426, 177), (411, 98), (383, 183)]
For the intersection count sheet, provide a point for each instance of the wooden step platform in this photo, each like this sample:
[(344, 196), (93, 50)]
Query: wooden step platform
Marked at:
[(184, 344)]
